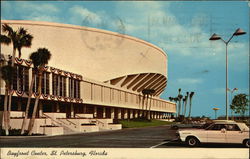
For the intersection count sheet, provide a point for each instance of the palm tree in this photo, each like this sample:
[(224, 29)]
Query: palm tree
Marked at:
[(6, 75), (185, 107), (145, 95), (190, 106), (179, 99), (19, 38), (150, 93), (39, 58), (183, 104)]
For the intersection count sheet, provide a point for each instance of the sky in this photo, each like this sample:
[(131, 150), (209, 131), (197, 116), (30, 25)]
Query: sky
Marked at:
[(181, 29)]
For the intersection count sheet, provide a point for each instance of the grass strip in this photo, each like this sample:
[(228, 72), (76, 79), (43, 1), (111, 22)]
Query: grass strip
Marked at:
[(137, 123)]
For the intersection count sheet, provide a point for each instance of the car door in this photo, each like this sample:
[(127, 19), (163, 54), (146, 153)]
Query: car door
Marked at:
[(216, 133), (234, 134)]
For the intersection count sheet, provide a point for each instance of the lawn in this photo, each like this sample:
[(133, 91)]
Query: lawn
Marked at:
[(136, 123)]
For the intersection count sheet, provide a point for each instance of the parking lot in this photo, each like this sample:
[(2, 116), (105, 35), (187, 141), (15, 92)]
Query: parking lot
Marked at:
[(150, 137)]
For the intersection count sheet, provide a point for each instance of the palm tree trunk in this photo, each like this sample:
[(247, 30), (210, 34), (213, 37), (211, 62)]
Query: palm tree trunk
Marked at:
[(5, 115), (143, 102), (32, 121), (9, 109), (13, 57), (149, 108), (190, 107), (10, 88), (179, 109), (146, 112), (185, 107), (28, 104)]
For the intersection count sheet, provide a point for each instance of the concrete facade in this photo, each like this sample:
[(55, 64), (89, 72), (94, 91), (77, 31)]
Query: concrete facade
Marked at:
[(92, 71)]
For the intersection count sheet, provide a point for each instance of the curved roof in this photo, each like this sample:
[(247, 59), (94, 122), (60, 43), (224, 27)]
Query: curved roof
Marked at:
[(93, 53)]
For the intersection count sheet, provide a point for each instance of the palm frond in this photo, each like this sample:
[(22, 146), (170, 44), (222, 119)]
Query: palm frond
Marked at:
[(26, 40), (5, 40), (7, 29), (7, 73), (40, 57), (22, 31)]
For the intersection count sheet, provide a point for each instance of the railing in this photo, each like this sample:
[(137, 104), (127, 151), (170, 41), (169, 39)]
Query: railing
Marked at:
[(61, 123)]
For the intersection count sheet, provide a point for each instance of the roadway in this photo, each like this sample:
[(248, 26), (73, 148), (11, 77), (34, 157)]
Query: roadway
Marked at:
[(125, 138), (149, 137)]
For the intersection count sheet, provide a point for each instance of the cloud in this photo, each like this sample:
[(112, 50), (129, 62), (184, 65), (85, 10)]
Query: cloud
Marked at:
[(84, 15), (187, 81)]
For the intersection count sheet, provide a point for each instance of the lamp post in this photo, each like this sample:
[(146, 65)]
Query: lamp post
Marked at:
[(215, 112), (217, 37)]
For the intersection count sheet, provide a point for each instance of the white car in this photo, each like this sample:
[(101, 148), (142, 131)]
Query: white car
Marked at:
[(223, 131)]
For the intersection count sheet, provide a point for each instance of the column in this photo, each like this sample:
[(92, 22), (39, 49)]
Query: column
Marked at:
[(112, 113), (136, 113), (131, 114), (119, 113), (104, 112), (161, 115), (50, 83), (40, 109), (125, 113), (141, 111), (57, 107), (67, 86), (95, 111), (71, 110), (154, 115), (158, 115)]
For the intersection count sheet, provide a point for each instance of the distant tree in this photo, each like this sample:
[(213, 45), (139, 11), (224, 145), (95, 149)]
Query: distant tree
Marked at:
[(185, 107), (190, 103), (179, 101), (148, 93), (240, 104)]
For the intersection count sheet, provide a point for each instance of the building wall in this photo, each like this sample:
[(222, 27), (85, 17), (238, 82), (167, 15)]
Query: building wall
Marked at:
[(111, 68), (97, 54)]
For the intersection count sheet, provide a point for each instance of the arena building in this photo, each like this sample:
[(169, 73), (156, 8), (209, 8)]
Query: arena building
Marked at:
[(94, 76)]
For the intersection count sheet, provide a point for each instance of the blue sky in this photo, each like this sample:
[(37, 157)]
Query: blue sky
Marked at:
[(181, 29)]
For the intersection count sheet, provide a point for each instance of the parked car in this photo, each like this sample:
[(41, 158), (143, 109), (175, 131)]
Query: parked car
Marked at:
[(223, 131)]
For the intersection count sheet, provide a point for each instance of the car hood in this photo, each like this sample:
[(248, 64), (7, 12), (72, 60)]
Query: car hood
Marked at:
[(190, 129)]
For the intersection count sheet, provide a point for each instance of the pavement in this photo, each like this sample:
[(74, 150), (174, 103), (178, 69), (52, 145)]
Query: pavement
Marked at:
[(149, 137), (125, 138)]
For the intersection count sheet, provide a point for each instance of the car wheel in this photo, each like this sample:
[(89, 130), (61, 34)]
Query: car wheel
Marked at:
[(192, 141), (247, 143)]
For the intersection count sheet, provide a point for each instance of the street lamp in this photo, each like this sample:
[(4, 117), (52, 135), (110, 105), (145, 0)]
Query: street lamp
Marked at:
[(215, 112), (217, 37)]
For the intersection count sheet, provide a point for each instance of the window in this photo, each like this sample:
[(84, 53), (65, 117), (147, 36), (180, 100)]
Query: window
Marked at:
[(44, 84), (74, 88), (232, 127), (21, 78), (58, 85), (216, 127)]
